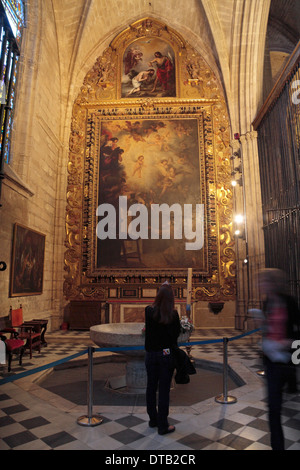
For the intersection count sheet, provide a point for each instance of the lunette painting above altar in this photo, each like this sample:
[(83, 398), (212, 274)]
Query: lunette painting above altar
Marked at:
[(149, 60), (150, 124)]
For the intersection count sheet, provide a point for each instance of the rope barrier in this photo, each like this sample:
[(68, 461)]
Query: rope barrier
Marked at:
[(11, 378), (244, 334), (91, 419), (21, 375)]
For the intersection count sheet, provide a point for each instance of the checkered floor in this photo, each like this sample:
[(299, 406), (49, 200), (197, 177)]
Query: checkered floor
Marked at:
[(32, 418)]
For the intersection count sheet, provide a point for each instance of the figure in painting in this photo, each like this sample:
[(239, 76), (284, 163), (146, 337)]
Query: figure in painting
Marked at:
[(133, 57), (168, 181), (138, 166), (112, 161), (141, 77), (164, 72), (146, 72), (153, 127), (110, 154), (135, 130), (163, 167), (24, 279)]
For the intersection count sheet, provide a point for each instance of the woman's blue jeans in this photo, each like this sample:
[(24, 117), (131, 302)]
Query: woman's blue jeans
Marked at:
[(159, 375)]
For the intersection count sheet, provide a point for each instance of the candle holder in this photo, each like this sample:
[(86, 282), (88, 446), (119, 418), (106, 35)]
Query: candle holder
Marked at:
[(188, 311)]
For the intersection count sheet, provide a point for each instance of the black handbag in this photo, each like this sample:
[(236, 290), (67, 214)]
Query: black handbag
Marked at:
[(183, 366)]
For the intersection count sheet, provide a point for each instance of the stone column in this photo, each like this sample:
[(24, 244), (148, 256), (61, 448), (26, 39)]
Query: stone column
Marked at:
[(250, 245)]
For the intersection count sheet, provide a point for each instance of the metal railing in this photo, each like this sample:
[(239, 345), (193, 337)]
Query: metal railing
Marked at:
[(278, 128)]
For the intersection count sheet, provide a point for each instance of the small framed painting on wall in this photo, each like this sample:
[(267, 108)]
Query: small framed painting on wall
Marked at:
[(27, 268)]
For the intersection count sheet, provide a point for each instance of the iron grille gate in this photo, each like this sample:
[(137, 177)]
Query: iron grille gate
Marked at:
[(279, 160)]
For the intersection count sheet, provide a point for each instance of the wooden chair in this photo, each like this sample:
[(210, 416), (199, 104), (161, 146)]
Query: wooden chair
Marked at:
[(14, 345), (43, 326), (29, 331)]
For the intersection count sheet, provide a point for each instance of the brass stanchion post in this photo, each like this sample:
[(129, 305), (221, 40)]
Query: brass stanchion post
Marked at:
[(90, 419), (224, 398)]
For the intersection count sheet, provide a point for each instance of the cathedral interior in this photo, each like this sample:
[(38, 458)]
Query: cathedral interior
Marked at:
[(148, 104)]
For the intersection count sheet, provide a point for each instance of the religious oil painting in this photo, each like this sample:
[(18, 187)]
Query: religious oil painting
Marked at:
[(27, 262), (149, 163), (148, 69)]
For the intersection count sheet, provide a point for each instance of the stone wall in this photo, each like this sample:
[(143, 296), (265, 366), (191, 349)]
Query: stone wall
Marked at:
[(30, 193)]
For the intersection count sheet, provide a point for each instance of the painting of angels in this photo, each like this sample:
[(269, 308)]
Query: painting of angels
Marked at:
[(149, 161)]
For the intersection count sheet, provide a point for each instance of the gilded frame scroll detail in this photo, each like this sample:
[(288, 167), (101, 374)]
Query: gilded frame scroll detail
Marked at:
[(198, 95)]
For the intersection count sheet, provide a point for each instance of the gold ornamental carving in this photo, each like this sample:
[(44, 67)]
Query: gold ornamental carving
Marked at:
[(196, 96)]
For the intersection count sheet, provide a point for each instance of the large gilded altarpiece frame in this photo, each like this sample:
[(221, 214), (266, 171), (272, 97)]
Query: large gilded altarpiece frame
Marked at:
[(170, 130)]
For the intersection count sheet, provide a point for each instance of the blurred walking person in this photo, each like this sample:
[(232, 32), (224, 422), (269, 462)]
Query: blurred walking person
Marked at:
[(280, 329)]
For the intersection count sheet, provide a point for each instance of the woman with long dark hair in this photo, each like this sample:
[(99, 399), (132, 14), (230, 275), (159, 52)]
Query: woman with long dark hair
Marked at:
[(162, 328)]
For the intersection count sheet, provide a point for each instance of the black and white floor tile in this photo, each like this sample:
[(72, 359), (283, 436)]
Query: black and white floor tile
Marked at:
[(31, 418)]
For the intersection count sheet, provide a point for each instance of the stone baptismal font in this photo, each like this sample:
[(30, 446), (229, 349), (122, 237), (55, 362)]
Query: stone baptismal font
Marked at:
[(126, 336)]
